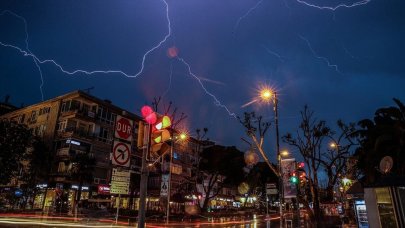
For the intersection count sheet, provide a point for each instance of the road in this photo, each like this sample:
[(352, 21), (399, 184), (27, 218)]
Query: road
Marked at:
[(31, 220)]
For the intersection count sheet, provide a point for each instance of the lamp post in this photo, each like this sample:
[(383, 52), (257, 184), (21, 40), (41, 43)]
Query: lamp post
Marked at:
[(268, 95), (182, 136)]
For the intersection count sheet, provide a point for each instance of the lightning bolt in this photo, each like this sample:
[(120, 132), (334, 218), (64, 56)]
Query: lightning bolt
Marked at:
[(27, 47), (334, 66), (38, 61), (274, 53), (62, 69), (216, 101), (235, 28), (333, 8), (170, 80)]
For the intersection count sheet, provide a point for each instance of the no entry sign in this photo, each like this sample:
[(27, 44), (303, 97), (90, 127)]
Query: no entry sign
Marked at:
[(123, 128), (121, 154)]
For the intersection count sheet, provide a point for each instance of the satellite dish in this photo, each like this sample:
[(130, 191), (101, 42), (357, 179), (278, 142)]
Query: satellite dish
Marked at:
[(386, 164)]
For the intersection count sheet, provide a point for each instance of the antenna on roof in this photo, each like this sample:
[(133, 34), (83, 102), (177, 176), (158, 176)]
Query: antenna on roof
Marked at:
[(88, 90)]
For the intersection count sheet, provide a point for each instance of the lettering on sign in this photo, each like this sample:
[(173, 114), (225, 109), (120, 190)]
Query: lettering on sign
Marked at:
[(123, 128)]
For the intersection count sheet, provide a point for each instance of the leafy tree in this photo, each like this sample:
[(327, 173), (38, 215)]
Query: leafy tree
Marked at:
[(380, 137), (37, 159), (220, 162), (82, 171), (14, 141)]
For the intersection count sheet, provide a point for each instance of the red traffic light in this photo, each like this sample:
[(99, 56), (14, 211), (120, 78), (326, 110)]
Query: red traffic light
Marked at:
[(148, 114), (301, 165)]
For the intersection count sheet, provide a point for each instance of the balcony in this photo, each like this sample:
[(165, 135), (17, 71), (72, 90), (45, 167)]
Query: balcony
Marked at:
[(80, 113), (74, 132)]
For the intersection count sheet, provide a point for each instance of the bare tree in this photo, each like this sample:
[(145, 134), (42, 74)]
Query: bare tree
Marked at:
[(334, 159), (309, 140), (168, 110), (256, 129)]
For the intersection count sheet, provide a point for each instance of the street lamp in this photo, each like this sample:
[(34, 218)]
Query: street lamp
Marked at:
[(181, 137), (267, 95)]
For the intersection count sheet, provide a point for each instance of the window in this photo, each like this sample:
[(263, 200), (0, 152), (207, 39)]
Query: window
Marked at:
[(106, 115), (41, 130), (33, 116), (61, 167), (62, 125), (176, 169), (104, 135), (21, 119), (44, 110), (66, 106)]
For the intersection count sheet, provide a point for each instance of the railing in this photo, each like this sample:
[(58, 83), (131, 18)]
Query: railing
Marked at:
[(69, 132)]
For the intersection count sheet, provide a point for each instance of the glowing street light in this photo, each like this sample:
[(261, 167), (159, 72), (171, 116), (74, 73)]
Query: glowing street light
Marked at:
[(181, 137), (333, 145), (284, 153), (268, 95)]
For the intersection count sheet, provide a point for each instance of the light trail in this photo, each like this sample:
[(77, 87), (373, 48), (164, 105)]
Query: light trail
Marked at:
[(334, 66), (235, 28), (333, 8)]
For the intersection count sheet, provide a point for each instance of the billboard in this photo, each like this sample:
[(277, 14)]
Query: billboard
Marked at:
[(288, 167)]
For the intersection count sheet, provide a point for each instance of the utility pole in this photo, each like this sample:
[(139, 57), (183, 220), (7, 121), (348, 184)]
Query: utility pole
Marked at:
[(144, 177), (280, 170), (169, 185)]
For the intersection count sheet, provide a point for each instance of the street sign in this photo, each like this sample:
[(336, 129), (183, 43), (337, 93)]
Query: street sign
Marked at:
[(121, 154), (123, 128), (120, 181), (271, 189), (164, 186)]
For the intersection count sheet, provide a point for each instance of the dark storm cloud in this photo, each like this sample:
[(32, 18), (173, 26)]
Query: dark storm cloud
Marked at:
[(365, 42)]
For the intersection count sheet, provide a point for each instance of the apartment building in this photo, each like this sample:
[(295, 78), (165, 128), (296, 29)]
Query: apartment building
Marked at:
[(71, 124), (79, 123)]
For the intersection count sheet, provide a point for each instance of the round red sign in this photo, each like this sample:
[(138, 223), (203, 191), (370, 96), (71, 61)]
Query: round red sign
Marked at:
[(123, 128)]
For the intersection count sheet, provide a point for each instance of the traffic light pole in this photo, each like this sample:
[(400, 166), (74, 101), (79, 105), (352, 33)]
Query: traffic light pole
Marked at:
[(144, 179), (170, 183)]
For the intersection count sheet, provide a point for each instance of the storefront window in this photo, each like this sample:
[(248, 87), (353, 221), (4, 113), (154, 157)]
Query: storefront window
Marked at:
[(385, 207)]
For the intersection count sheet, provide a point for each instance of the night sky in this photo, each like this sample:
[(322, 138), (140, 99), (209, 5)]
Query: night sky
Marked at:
[(344, 62)]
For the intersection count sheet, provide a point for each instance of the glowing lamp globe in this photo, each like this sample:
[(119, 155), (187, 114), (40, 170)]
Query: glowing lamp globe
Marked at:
[(251, 158), (243, 188)]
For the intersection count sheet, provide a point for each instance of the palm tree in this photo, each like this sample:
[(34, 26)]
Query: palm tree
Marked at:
[(383, 136)]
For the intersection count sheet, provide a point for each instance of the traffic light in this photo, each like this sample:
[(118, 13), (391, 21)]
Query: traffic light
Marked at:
[(160, 134), (294, 178)]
